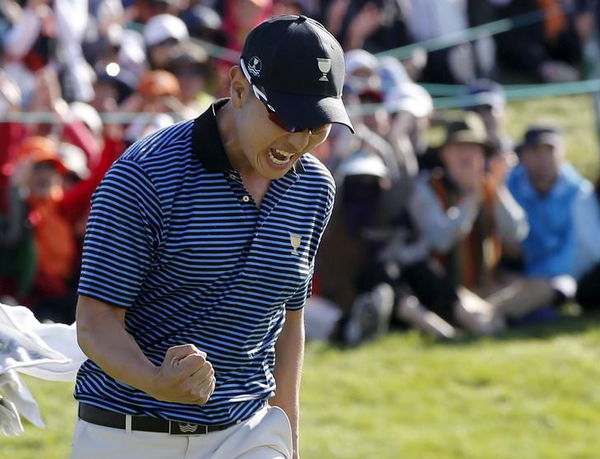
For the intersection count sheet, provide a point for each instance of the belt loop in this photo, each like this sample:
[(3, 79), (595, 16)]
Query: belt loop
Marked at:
[(128, 423)]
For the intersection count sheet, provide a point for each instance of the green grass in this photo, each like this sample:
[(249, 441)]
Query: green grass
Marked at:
[(531, 393)]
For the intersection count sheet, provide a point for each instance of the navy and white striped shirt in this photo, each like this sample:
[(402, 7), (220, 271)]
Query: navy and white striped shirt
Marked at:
[(175, 238)]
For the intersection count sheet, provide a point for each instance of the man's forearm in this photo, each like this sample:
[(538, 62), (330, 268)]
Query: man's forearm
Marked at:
[(289, 356), (102, 337)]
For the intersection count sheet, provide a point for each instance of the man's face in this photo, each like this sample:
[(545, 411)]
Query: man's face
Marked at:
[(44, 178), (271, 150), (542, 163), (191, 81), (464, 163)]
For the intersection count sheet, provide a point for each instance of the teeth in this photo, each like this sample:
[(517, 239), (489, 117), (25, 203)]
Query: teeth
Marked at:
[(286, 155)]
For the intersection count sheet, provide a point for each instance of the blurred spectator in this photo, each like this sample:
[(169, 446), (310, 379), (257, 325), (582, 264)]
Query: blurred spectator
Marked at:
[(241, 16), (155, 103), (204, 23), (51, 32), (190, 64), (371, 241), (347, 266), (545, 186), (143, 10), (455, 64), (586, 268), (162, 35), (39, 180), (466, 215), (104, 31), (298, 7), (409, 105), (487, 99), (62, 123), (112, 87), (373, 25), (363, 79), (548, 49)]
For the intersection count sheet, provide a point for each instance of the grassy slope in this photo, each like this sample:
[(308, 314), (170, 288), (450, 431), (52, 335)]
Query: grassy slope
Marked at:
[(530, 394)]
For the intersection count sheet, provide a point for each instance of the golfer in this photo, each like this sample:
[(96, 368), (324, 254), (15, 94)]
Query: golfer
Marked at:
[(198, 260)]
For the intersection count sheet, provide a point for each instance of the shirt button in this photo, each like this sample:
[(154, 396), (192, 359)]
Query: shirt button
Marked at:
[(232, 176), (246, 198)]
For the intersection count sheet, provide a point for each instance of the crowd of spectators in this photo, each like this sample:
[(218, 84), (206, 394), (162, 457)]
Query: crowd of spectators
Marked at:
[(477, 233)]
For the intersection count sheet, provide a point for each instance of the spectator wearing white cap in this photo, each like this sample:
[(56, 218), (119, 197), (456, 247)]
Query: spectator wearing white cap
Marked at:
[(161, 34), (408, 103)]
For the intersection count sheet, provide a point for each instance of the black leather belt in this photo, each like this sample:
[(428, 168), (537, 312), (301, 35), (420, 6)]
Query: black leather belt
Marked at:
[(107, 418)]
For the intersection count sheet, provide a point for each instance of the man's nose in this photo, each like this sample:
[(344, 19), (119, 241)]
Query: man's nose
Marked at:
[(299, 140)]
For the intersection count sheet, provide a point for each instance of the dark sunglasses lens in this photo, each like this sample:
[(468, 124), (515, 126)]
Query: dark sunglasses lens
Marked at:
[(275, 118)]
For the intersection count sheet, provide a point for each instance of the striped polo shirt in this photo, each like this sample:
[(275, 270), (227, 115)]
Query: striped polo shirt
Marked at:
[(176, 239)]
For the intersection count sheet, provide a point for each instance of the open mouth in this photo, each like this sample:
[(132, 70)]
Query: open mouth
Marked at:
[(280, 157)]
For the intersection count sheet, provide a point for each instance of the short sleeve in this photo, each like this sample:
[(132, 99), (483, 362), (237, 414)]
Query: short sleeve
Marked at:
[(299, 298), (122, 236)]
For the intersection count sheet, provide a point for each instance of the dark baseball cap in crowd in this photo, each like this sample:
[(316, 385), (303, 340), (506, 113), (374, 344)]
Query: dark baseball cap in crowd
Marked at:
[(296, 68), (468, 129), (484, 93), (536, 135)]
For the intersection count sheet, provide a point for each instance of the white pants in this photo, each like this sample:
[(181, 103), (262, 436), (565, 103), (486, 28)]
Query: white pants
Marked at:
[(266, 435)]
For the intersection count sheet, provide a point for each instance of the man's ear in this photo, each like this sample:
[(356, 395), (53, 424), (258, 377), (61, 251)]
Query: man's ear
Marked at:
[(239, 88)]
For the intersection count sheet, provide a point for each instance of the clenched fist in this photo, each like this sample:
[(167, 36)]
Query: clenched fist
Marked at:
[(185, 376)]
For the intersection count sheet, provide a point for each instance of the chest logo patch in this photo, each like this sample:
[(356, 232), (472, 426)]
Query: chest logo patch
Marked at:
[(295, 241)]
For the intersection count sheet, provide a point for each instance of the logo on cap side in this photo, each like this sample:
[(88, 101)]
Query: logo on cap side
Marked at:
[(324, 66), (255, 66)]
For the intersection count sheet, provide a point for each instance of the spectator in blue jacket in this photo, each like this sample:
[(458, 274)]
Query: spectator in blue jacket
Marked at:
[(545, 186)]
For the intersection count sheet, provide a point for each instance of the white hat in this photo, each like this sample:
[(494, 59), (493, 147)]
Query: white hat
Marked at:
[(362, 163), (162, 27), (132, 54), (359, 59), (392, 73), (88, 114), (409, 97), (74, 159)]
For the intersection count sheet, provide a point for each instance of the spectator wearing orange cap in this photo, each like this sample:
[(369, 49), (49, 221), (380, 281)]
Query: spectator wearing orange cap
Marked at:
[(156, 102), (44, 213), (37, 193)]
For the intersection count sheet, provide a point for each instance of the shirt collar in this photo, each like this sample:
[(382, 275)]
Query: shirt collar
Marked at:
[(207, 144)]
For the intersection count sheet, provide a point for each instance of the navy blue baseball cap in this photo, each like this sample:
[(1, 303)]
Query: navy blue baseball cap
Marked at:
[(538, 134), (296, 68)]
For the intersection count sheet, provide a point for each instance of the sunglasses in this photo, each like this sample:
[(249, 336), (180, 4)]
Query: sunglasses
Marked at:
[(272, 114)]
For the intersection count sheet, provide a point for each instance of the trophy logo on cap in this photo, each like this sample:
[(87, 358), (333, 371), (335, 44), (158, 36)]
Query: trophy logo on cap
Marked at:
[(255, 66), (324, 66)]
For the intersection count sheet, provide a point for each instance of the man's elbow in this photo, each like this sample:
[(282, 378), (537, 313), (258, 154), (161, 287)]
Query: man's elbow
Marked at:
[(92, 318)]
